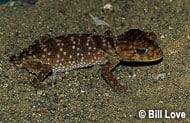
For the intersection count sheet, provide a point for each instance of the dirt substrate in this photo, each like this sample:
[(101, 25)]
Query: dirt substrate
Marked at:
[(83, 95)]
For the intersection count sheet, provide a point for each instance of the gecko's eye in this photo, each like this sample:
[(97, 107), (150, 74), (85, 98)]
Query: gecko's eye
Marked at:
[(141, 51)]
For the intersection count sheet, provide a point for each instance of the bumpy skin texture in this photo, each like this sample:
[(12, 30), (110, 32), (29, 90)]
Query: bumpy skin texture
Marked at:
[(74, 51)]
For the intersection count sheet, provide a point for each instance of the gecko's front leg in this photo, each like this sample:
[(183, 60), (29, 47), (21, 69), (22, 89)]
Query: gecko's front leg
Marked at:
[(109, 77)]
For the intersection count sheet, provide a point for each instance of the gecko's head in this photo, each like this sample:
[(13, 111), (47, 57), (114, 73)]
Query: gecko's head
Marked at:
[(138, 46)]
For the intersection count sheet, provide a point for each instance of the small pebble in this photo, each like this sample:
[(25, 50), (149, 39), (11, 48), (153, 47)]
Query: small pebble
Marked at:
[(108, 6), (160, 76)]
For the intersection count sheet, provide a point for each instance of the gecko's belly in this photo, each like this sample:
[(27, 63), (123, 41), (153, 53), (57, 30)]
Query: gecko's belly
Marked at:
[(72, 67), (67, 65)]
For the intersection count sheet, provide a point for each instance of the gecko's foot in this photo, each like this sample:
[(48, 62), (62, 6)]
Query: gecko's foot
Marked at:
[(38, 85)]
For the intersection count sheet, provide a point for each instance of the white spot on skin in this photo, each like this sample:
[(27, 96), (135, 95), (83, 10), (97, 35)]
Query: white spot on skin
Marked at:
[(58, 41), (73, 62), (78, 54), (48, 59), (89, 38), (89, 53), (60, 49), (43, 56), (82, 58), (62, 44), (89, 48), (58, 44), (87, 44), (49, 53), (58, 56), (29, 57), (34, 56), (45, 50), (64, 53), (72, 38), (70, 56), (57, 60), (78, 48), (73, 47)]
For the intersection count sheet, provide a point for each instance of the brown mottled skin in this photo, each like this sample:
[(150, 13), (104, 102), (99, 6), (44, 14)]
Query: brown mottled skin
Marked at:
[(74, 51)]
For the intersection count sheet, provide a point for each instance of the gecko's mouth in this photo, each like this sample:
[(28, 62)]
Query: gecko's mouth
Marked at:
[(140, 63)]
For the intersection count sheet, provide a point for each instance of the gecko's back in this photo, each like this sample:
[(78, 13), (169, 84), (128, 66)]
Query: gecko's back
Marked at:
[(66, 52)]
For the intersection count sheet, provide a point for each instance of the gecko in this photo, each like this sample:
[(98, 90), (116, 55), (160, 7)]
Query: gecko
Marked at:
[(74, 51)]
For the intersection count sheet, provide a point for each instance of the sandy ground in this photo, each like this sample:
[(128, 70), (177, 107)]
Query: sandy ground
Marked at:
[(83, 95)]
